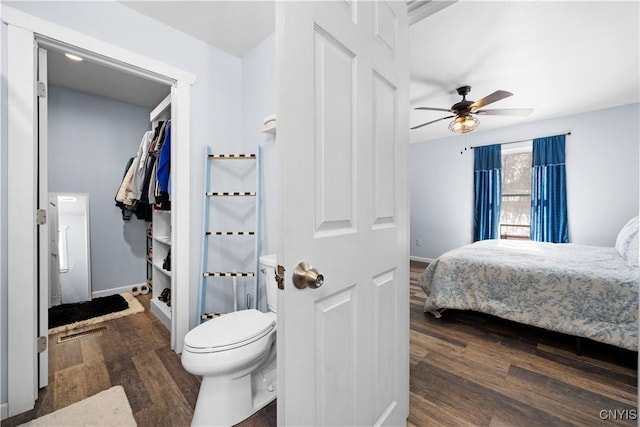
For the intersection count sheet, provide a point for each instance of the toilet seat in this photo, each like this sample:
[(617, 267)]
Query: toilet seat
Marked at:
[(230, 331)]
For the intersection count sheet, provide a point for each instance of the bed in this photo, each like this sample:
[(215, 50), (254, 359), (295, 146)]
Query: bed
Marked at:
[(586, 291)]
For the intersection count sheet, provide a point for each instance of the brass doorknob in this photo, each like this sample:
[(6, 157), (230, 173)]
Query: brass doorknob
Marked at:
[(306, 276)]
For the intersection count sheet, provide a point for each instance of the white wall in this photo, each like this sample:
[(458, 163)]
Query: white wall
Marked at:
[(229, 253), (258, 102), (215, 96), (90, 140), (602, 179)]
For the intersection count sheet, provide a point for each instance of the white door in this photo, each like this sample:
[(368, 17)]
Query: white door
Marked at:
[(342, 108), (43, 229)]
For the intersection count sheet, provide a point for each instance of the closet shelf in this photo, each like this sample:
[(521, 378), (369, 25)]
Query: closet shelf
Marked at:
[(162, 111), (161, 236), (162, 270)]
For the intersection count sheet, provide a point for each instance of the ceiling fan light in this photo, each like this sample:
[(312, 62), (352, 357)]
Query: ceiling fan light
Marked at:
[(463, 124)]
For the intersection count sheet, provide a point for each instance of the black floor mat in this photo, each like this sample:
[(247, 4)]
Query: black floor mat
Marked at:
[(64, 314)]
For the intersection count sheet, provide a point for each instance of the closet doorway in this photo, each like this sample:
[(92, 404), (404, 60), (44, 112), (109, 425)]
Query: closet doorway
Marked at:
[(91, 120), (96, 119), (27, 300)]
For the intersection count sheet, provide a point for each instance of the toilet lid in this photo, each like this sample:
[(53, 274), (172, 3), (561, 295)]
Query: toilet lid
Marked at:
[(230, 329)]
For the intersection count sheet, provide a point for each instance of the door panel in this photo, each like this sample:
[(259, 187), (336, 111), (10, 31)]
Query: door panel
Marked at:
[(385, 342), (334, 139), (342, 109), (335, 322), (385, 127)]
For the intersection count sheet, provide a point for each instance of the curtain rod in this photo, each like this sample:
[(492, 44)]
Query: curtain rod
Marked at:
[(530, 139)]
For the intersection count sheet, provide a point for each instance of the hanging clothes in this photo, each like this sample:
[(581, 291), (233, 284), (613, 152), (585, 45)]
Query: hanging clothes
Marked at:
[(146, 179), (164, 171), (143, 152), (122, 190)]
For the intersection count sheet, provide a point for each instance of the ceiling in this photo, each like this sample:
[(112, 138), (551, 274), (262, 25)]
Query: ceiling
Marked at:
[(559, 58), (91, 77), (233, 26)]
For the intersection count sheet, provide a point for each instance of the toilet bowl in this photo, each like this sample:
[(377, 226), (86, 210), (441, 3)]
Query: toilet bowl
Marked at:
[(236, 356)]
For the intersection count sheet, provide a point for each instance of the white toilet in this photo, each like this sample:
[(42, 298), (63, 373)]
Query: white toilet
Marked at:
[(236, 356)]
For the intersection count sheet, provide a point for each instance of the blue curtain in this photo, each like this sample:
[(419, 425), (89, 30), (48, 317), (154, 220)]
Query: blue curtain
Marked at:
[(487, 183), (549, 191)]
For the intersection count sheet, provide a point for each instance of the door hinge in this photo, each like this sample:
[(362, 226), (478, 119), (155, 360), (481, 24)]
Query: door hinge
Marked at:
[(280, 276), (42, 90), (42, 344), (41, 217)]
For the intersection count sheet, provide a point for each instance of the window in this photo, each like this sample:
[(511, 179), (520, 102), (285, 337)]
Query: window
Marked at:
[(515, 212)]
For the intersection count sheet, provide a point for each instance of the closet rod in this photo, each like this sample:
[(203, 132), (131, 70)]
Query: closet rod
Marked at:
[(530, 139)]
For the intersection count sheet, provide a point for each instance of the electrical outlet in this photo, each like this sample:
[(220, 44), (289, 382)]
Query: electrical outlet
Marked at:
[(418, 242)]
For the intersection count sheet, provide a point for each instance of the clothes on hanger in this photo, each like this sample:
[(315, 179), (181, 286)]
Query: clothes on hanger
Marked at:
[(164, 172), (126, 212), (146, 178)]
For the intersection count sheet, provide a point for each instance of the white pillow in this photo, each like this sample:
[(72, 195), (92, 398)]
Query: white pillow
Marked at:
[(626, 235)]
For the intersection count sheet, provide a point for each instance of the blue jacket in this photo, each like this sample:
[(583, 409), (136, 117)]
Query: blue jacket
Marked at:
[(164, 162)]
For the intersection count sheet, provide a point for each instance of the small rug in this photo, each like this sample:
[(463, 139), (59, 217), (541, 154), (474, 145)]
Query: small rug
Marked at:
[(94, 311), (107, 408)]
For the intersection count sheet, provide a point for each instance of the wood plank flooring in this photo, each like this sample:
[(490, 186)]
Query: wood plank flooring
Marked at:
[(466, 369), (474, 369), (134, 353)]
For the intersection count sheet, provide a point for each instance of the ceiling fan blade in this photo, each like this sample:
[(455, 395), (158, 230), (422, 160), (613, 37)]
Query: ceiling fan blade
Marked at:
[(505, 112), (495, 96), (432, 121), (433, 109)]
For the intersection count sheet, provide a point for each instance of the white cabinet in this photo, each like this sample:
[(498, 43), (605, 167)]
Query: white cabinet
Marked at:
[(161, 293)]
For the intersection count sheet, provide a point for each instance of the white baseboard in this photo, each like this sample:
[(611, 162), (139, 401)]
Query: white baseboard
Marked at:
[(113, 291), (420, 259), (4, 411)]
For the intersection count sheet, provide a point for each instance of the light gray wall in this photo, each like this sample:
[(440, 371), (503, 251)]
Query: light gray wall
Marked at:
[(258, 102), (228, 253), (216, 95), (90, 140), (602, 179)]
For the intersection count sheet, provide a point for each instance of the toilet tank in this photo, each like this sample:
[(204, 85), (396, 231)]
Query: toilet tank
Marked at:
[(268, 271)]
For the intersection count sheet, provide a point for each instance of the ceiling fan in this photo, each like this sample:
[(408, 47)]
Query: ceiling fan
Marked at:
[(464, 111)]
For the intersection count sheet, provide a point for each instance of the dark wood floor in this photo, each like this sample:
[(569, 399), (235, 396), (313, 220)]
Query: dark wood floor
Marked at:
[(135, 354), (474, 369), (466, 369)]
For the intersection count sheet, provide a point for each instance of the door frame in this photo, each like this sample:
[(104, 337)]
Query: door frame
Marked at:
[(22, 259)]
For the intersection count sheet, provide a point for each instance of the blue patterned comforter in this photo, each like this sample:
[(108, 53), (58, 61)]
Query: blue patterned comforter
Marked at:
[(586, 291)]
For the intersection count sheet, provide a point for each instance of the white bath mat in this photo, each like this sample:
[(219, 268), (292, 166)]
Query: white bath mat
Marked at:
[(108, 408)]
